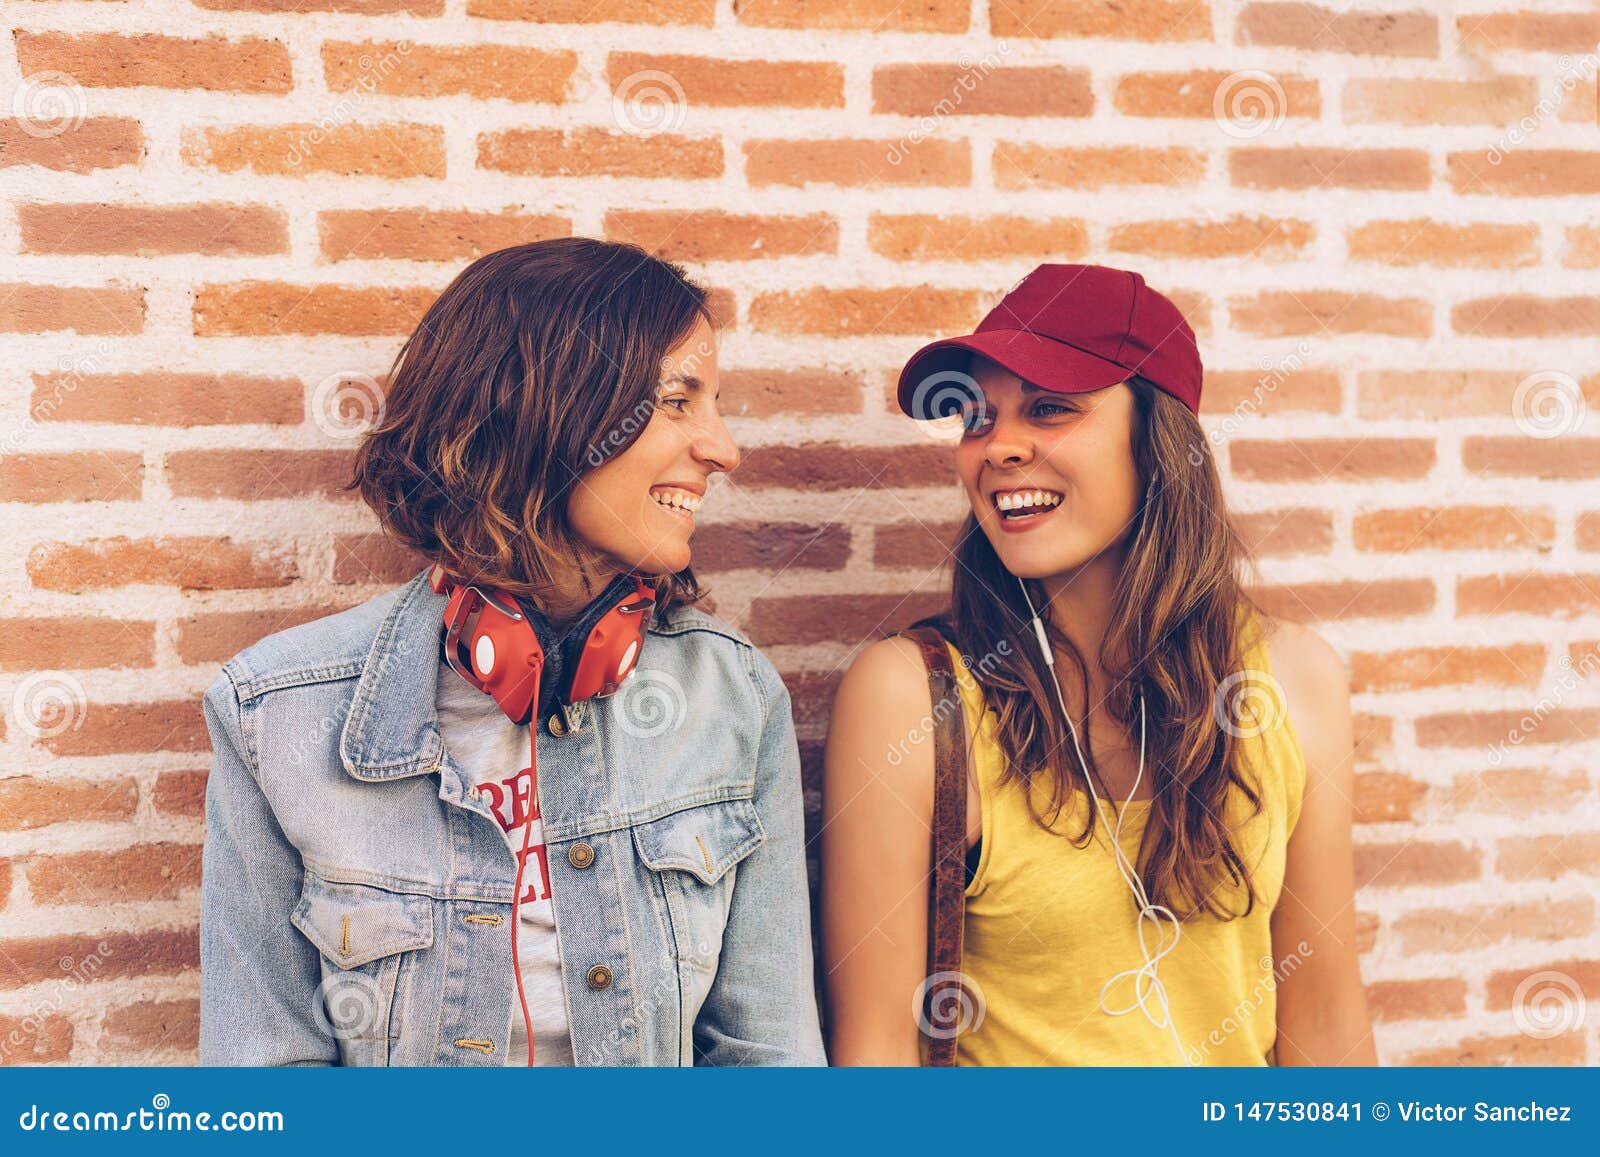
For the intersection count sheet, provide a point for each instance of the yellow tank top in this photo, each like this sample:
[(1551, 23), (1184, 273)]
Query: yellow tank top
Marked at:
[(1048, 923)]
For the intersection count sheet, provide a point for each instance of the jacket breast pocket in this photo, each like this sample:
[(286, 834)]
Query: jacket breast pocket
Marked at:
[(695, 853), (364, 935)]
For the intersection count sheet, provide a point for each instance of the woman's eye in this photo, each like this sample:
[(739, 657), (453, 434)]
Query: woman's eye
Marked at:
[(1048, 408), (674, 402)]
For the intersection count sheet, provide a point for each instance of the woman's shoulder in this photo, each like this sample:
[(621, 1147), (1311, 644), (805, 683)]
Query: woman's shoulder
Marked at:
[(1315, 682), (1301, 658)]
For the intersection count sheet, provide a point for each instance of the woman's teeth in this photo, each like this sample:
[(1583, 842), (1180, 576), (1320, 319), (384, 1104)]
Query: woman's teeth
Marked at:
[(1025, 503), (678, 500)]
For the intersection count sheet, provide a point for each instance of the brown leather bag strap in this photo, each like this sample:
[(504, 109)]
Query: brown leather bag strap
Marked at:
[(942, 997)]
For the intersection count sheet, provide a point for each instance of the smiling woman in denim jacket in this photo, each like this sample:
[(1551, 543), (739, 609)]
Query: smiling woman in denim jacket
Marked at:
[(549, 430)]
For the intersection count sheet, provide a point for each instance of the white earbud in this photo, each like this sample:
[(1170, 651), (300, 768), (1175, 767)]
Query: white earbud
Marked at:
[(1147, 985)]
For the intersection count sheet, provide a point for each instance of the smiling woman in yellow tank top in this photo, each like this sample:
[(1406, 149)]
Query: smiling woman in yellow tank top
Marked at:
[(1159, 773)]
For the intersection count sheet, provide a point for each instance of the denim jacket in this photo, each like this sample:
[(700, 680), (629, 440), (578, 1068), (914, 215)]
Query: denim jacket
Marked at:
[(356, 894)]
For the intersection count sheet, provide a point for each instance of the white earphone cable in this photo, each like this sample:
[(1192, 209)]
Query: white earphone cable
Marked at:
[(1148, 988)]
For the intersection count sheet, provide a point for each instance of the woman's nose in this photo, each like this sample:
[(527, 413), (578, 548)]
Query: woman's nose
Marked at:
[(715, 447)]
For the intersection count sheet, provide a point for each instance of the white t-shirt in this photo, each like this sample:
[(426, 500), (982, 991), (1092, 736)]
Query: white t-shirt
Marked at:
[(493, 752)]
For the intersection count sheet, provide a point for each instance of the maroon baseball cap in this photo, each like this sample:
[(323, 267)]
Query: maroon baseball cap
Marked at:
[(1067, 328)]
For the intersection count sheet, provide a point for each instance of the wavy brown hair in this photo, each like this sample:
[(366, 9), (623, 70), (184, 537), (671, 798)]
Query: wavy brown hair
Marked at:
[(537, 364), (1176, 612)]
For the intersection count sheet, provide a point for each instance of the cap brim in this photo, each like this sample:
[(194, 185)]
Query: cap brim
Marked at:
[(929, 377)]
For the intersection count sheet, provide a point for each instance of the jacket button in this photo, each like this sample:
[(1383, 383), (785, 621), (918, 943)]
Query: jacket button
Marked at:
[(599, 977), (580, 855), (556, 725)]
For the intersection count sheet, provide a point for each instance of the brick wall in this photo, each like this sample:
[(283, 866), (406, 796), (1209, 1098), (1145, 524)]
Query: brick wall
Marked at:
[(1379, 219)]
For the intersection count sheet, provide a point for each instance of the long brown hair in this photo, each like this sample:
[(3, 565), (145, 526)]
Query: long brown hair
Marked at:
[(534, 366), (1176, 612)]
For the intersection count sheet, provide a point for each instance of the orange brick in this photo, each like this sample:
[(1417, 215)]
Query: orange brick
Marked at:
[(96, 143), (699, 12), (107, 956), (1424, 242), (1542, 593), (161, 398), (1278, 533), (1432, 999), (1501, 989), (1259, 237), (1329, 168), (871, 15), (772, 547), (763, 393), (352, 150), (1417, 668), (1583, 247), (1147, 20), (1564, 457), (430, 234), (1387, 797), (838, 618), (835, 467), (72, 476), (933, 237), (486, 71), (1524, 172), (1320, 29), (1331, 459), (865, 311), (1196, 94), (180, 792), (916, 545), (1398, 865), (218, 636), (40, 1038), (1019, 165), (1518, 791), (711, 82), (76, 641), (1528, 31), (269, 308), (373, 558), (598, 152), (153, 230), (1447, 393), (152, 1026), (107, 60), (1526, 315), (1467, 929), (1429, 102), (928, 161), (258, 475), (1288, 389), (1520, 1049), (1312, 312), (188, 563), (1454, 528), (1507, 730), (713, 235), (110, 309), (1547, 857), (940, 90), (29, 802), (1331, 601), (141, 872), (117, 728)]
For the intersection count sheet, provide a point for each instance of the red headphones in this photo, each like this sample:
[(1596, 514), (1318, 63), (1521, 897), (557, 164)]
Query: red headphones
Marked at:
[(493, 643)]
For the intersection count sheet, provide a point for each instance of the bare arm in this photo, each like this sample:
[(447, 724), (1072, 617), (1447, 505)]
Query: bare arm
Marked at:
[(1322, 1009), (876, 857)]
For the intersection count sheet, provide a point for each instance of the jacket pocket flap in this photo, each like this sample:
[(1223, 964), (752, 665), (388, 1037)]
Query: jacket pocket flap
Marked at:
[(705, 841), (354, 924)]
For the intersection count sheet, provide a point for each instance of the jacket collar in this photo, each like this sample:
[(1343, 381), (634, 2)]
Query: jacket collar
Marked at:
[(392, 730)]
